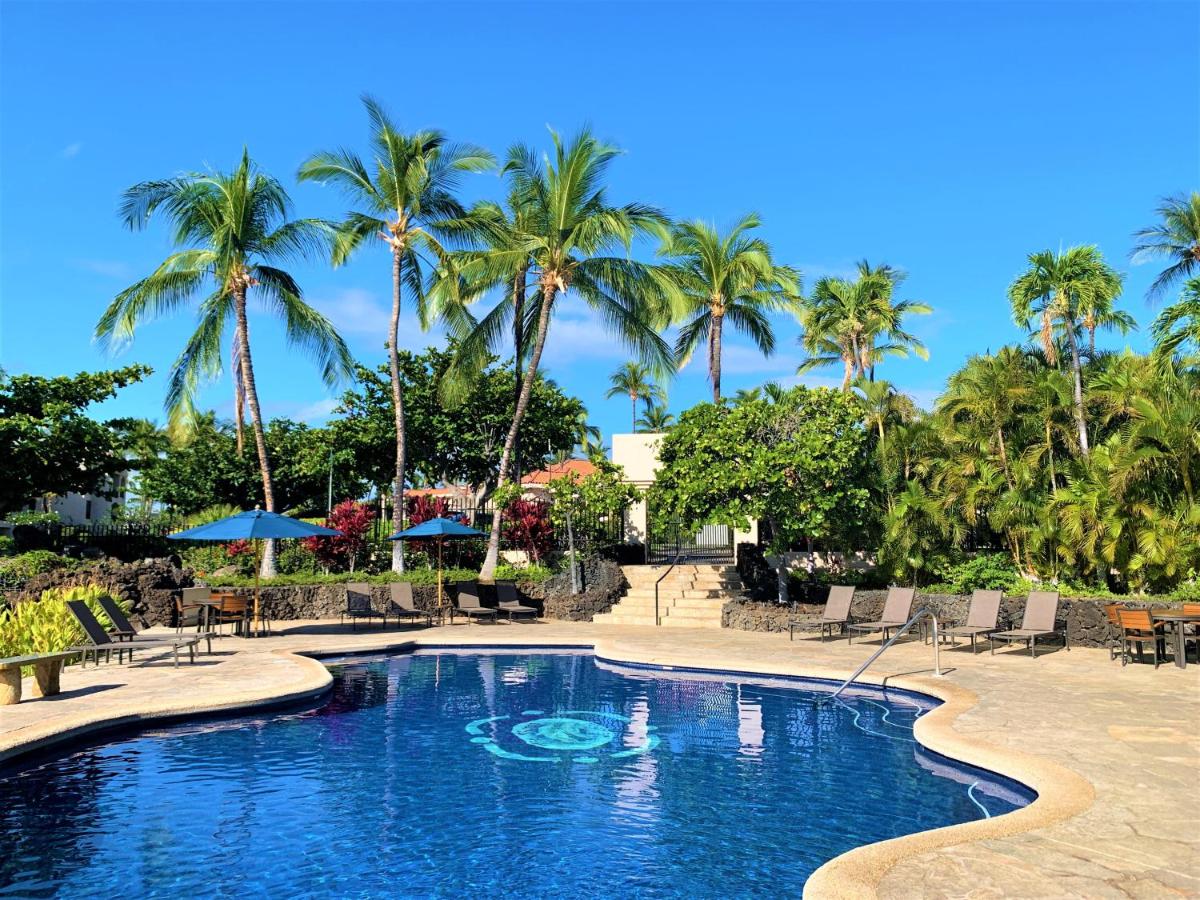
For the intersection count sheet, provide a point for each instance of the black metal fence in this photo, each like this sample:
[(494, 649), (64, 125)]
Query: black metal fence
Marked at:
[(707, 544)]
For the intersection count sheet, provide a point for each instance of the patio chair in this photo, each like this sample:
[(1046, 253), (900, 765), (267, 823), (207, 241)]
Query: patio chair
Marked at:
[(1191, 633), (100, 642), (1112, 636), (1138, 628), (983, 617), (403, 605), (509, 602), (233, 609), (896, 611), (189, 613), (358, 605), (836, 612), (1039, 620), (469, 605)]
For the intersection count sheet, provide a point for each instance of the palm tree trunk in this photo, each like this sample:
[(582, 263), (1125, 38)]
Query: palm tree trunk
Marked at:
[(1050, 453), (633, 403), (1004, 458), (260, 440), (398, 408), (487, 574), (518, 348), (1076, 372), (847, 374), (714, 355)]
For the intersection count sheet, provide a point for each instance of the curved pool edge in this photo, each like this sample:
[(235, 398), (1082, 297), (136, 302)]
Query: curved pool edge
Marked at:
[(1061, 792)]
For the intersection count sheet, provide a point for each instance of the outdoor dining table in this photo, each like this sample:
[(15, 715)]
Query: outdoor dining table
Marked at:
[(1179, 618), (213, 603)]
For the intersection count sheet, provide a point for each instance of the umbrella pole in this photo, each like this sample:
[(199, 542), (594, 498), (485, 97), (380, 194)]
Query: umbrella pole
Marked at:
[(257, 575), (441, 602)]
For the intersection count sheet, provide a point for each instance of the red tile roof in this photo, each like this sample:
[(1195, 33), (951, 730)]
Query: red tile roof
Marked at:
[(581, 468)]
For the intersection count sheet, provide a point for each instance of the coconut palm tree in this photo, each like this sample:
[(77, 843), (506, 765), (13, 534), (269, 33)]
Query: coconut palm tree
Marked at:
[(656, 419), (1175, 238), (232, 228), (404, 197), (725, 278), (633, 379), (1178, 325), (1059, 289), (577, 243), (887, 319)]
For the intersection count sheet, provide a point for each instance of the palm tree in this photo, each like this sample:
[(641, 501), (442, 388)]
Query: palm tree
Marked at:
[(633, 379), (845, 321), (406, 199), (1179, 324), (1060, 289), (656, 419), (569, 231), (1176, 238), (717, 278), (142, 442), (231, 228)]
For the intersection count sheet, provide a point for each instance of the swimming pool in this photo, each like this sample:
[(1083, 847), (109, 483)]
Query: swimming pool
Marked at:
[(524, 774)]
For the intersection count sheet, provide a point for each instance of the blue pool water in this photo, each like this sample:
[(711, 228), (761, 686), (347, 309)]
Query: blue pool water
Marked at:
[(498, 774)]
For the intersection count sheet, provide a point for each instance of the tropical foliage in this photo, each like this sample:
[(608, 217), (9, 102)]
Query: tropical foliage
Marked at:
[(635, 381)]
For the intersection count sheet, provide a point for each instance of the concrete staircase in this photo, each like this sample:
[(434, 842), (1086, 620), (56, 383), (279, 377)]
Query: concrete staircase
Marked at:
[(691, 596)]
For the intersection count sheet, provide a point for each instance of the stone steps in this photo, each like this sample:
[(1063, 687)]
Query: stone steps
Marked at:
[(688, 597)]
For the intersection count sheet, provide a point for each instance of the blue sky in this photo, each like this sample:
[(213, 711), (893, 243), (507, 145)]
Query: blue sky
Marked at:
[(949, 139)]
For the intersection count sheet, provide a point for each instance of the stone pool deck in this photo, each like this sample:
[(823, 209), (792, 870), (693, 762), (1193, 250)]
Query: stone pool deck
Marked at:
[(1114, 753)]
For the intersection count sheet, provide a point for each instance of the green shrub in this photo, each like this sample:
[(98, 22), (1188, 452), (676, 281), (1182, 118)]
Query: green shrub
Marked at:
[(985, 572), (28, 517), (296, 559), (34, 562), (7, 545), (47, 625)]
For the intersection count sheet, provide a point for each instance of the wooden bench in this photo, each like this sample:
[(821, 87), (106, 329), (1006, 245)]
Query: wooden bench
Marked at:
[(45, 675)]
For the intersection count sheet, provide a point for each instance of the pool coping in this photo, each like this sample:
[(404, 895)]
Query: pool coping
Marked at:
[(1061, 792)]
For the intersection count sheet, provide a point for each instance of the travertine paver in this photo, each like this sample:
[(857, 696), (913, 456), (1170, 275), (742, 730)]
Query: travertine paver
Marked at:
[(1134, 733)]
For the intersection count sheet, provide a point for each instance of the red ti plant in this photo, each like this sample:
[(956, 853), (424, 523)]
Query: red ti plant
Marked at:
[(353, 520), (527, 527)]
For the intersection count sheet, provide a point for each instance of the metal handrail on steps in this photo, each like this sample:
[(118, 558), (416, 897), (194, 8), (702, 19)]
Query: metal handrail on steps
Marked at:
[(674, 563), (920, 614)]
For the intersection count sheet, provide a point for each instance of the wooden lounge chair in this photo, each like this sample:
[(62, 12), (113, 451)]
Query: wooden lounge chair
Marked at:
[(1041, 612), (1138, 629), (896, 611), (403, 605), (836, 612), (100, 642), (469, 605), (983, 617), (358, 605), (509, 603)]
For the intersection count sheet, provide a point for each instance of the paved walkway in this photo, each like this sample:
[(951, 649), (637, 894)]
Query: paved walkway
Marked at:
[(1133, 734)]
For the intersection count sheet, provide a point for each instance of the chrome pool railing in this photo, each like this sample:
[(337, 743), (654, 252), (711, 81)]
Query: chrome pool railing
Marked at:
[(917, 617)]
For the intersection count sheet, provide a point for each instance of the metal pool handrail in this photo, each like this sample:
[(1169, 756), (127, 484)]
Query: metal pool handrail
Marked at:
[(920, 614), (674, 563)]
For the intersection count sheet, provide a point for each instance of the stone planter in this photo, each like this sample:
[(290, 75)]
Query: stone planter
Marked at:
[(46, 677), (10, 685)]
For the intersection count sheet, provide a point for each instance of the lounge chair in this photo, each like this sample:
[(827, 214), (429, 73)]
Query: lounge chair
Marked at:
[(403, 605), (1138, 628), (836, 612), (358, 605), (122, 629), (1041, 611), (983, 617), (469, 605), (100, 642), (509, 603), (896, 611)]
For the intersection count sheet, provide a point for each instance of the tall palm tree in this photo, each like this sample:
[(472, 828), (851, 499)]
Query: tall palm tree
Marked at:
[(857, 323), (569, 237), (718, 278), (231, 228), (1178, 325), (405, 198), (656, 419), (1175, 238), (634, 380), (1059, 289)]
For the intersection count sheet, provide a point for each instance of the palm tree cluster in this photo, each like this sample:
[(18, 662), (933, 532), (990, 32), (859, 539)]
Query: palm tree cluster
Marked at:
[(1082, 465)]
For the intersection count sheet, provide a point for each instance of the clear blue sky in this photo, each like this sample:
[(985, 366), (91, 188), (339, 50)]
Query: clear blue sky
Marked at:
[(947, 139)]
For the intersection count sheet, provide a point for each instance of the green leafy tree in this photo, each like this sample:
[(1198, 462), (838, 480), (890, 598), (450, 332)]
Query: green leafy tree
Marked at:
[(801, 464), (48, 441), (725, 278), (570, 237), (233, 228), (404, 197), (1058, 289), (1175, 238), (634, 380)]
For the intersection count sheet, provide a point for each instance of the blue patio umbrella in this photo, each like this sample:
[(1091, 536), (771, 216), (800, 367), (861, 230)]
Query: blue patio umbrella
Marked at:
[(438, 529), (253, 525)]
